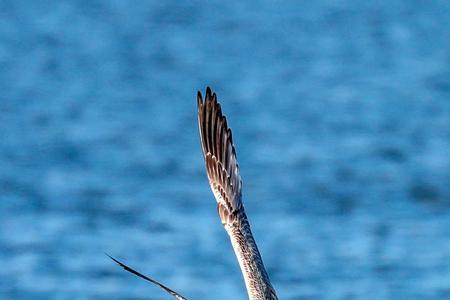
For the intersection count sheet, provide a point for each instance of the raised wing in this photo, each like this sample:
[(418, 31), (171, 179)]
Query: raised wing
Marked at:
[(220, 157), (223, 174)]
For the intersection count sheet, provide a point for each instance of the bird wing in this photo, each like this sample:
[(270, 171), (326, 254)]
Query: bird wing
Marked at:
[(162, 286), (220, 157), (226, 184)]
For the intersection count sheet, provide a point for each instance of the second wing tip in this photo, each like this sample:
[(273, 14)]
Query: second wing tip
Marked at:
[(199, 99)]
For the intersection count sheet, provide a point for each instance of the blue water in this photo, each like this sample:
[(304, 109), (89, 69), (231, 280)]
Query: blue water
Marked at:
[(341, 119)]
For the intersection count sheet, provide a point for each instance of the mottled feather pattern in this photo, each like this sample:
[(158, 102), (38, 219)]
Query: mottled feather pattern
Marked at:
[(250, 260), (223, 175)]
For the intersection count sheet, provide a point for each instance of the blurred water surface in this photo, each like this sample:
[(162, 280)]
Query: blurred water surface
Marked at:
[(341, 118)]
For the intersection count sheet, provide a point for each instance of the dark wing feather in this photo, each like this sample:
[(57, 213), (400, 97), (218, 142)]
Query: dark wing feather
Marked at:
[(162, 286), (220, 157)]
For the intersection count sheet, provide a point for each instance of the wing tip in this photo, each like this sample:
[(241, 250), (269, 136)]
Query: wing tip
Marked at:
[(115, 260), (134, 272), (215, 134), (210, 96)]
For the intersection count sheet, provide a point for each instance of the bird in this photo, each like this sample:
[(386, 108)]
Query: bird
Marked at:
[(222, 170)]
